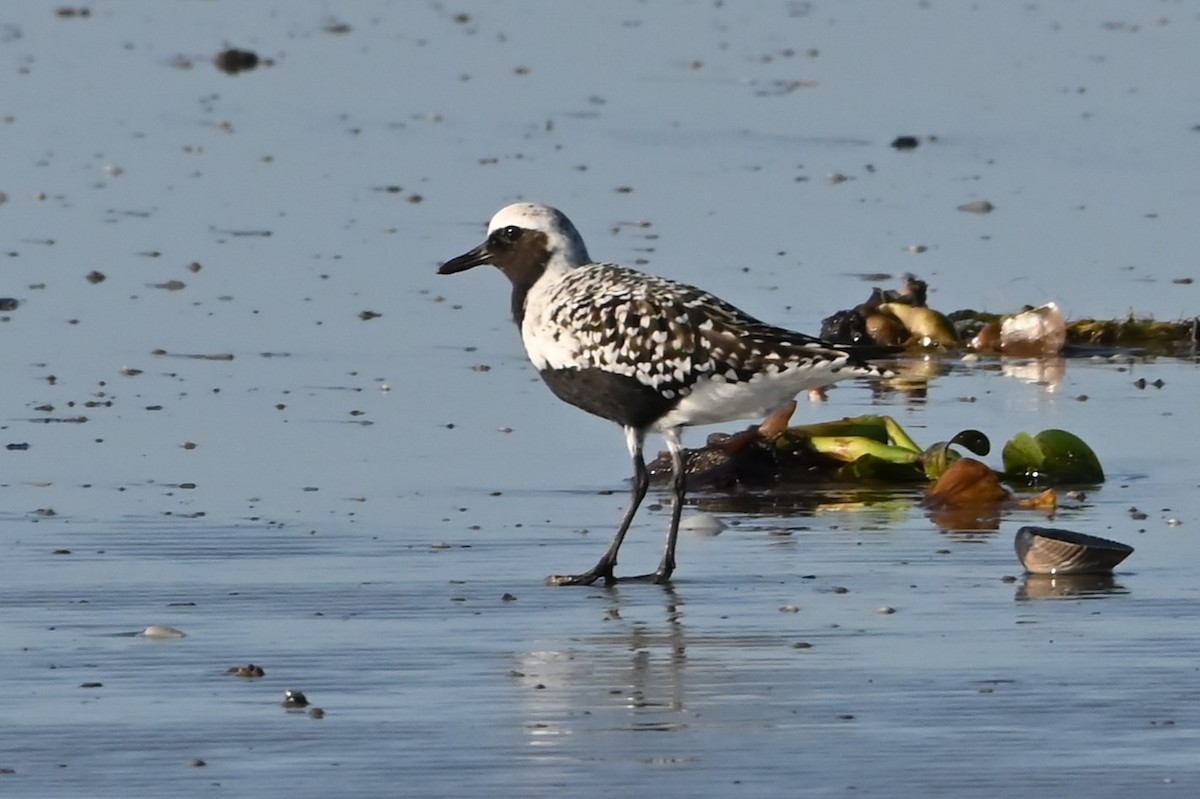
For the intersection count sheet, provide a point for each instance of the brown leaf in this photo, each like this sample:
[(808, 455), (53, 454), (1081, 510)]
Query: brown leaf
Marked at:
[(967, 482)]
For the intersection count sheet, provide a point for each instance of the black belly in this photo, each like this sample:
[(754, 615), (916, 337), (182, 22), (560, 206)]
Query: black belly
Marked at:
[(622, 399)]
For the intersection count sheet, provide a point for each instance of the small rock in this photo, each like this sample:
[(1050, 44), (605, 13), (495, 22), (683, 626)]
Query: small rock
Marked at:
[(162, 631), (294, 699), (249, 670), (233, 60)]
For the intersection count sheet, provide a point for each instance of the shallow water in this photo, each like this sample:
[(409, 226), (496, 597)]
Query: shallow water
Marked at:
[(347, 502)]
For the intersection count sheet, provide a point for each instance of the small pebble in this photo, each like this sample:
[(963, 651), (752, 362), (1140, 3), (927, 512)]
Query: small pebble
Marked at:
[(886, 610), (703, 524), (802, 645), (196, 762), (161, 631), (233, 60), (790, 609), (316, 713)]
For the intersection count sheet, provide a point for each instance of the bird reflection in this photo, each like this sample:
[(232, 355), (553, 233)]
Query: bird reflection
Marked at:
[(631, 677)]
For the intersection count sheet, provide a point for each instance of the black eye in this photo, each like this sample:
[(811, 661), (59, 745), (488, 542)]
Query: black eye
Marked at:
[(510, 233)]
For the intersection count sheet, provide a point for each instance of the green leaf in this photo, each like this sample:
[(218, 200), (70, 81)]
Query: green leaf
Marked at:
[(1068, 458), (897, 436), (869, 468), (1051, 457), (937, 459), (853, 448), (1022, 457)]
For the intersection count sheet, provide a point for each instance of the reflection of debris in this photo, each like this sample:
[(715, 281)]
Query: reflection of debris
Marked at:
[(216, 356), (1046, 372), (977, 207)]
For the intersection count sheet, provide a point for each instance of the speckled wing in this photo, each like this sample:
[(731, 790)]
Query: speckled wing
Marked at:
[(667, 335)]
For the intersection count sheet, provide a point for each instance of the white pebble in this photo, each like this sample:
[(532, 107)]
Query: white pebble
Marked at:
[(702, 524), (162, 631)]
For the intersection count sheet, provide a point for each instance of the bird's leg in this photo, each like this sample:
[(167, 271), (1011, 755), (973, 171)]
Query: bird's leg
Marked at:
[(662, 575), (641, 483)]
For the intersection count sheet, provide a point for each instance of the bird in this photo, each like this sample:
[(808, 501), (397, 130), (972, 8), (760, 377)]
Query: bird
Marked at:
[(651, 354)]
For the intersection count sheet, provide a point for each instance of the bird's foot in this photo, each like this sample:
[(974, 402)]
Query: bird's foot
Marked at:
[(600, 572), (656, 578)]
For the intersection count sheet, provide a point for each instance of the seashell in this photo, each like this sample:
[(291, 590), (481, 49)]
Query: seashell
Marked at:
[(1046, 550)]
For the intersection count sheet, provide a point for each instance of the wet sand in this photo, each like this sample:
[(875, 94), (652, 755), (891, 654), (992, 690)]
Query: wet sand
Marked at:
[(359, 484)]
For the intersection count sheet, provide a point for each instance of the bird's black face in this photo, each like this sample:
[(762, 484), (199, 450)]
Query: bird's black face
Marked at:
[(499, 244), (520, 253)]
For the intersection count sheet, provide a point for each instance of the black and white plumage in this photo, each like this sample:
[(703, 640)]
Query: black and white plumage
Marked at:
[(651, 354)]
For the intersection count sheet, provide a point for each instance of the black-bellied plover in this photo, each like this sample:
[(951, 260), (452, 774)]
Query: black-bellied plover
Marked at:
[(648, 353)]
